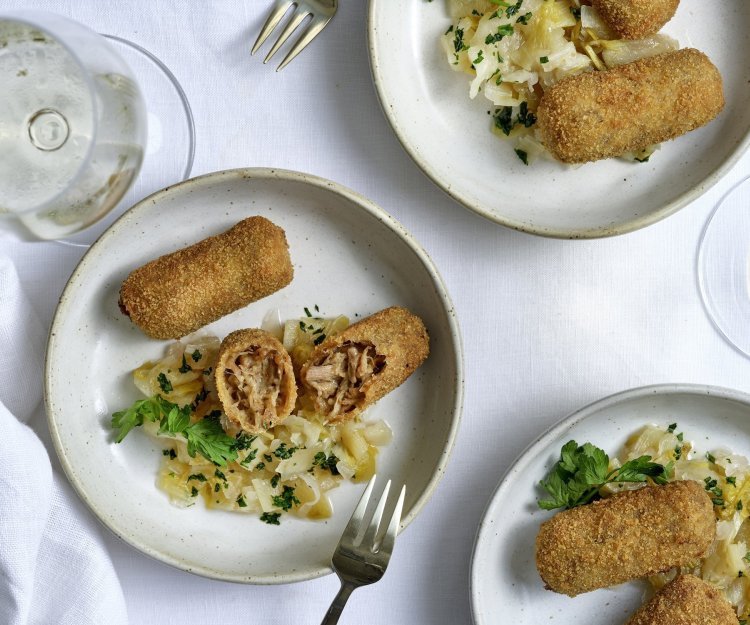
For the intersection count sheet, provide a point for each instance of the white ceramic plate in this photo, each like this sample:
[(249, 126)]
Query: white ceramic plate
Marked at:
[(505, 585), (448, 135), (349, 257)]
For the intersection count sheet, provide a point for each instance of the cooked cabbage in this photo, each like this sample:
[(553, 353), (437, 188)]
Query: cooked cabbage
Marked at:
[(514, 50), (290, 468)]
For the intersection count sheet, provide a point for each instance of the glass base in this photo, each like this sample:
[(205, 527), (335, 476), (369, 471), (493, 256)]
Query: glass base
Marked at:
[(724, 267), (170, 146)]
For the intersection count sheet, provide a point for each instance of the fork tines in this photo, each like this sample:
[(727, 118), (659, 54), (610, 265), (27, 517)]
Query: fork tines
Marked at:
[(358, 537), (320, 13)]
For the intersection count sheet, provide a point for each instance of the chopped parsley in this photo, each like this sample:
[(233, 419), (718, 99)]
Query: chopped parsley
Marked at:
[(164, 384), (576, 11), (169, 452), (523, 155), (241, 501), (243, 441), (732, 480), (184, 367), (524, 19), (260, 466), (319, 339), (249, 458), (576, 478), (672, 428), (199, 477), (525, 117), (710, 457), (220, 475), (275, 480), (283, 452), (739, 505), (479, 59), (194, 492), (286, 500), (307, 312), (196, 356), (329, 463), (543, 59), (502, 31), (272, 518)]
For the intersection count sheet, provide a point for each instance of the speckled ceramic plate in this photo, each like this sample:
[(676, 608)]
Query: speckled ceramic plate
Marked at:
[(448, 135), (350, 257), (505, 585)]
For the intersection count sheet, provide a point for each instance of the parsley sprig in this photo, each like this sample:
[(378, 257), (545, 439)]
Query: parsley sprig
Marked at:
[(205, 437), (582, 470)]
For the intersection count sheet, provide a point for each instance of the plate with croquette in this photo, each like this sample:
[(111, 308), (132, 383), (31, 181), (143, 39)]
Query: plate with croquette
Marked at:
[(236, 357), (566, 118), (631, 511)]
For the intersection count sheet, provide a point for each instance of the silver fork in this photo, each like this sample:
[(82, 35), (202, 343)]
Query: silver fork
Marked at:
[(362, 559), (321, 11)]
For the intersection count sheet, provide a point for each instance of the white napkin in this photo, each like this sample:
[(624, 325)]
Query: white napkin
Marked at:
[(54, 566)]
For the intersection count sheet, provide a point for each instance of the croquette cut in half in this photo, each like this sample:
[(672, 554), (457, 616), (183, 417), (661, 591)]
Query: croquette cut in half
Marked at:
[(255, 380), (349, 371), (628, 536), (686, 600), (604, 114), (636, 19), (181, 292)]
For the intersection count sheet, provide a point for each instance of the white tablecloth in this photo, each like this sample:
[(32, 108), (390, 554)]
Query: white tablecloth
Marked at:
[(548, 325)]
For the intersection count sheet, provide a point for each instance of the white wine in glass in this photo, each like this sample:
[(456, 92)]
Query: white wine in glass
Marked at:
[(72, 124)]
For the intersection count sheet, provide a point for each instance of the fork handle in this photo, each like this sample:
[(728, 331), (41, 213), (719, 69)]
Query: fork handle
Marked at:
[(339, 601)]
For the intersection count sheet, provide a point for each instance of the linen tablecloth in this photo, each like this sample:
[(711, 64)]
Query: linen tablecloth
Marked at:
[(548, 325)]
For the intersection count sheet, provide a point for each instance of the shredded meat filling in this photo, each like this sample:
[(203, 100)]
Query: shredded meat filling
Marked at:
[(254, 384), (339, 378)]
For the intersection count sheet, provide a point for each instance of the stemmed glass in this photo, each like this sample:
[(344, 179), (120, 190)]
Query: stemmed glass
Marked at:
[(73, 125), (724, 267)]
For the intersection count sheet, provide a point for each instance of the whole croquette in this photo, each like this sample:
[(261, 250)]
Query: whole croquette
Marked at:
[(349, 371), (630, 535), (608, 113), (687, 600), (181, 292), (636, 19)]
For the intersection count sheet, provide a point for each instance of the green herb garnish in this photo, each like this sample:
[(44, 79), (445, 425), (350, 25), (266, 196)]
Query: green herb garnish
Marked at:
[(576, 478), (286, 499), (164, 384), (184, 367), (272, 518), (205, 437)]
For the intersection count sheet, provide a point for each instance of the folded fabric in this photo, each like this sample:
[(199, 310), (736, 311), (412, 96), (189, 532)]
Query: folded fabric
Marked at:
[(54, 566)]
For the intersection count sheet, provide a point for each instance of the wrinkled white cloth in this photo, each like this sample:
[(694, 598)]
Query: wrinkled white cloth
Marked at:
[(54, 565)]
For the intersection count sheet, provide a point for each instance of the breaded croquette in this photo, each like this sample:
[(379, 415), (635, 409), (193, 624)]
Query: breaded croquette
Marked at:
[(636, 19), (608, 113), (687, 600), (181, 292), (630, 535), (255, 380), (351, 370)]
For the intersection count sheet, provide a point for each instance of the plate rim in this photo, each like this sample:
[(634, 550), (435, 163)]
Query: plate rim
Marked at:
[(251, 174), (639, 222), (560, 427)]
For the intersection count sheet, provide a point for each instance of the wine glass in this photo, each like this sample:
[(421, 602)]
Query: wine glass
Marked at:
[(724, 267), (73, 125)]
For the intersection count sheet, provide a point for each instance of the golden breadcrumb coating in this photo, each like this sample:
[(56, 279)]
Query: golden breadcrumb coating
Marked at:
[(630, 535), (687, 600), (636, 19), (255, 380), (181, 292), (604, 114), (396, 338)]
